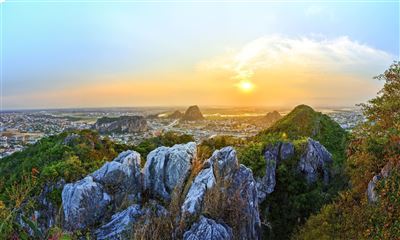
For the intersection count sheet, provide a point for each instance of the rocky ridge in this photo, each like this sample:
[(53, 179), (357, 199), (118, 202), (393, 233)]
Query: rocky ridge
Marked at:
[(123, 124)]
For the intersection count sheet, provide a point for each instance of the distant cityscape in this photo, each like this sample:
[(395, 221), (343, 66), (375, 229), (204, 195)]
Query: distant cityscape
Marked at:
[(19, 129)]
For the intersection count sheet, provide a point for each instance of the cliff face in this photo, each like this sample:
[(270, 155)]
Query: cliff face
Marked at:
[(193, 113), (123, 124), (94, 204)]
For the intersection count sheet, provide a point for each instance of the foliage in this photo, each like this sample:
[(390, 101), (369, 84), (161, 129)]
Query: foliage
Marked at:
[(374, 144), (293, 199), (70, 155)]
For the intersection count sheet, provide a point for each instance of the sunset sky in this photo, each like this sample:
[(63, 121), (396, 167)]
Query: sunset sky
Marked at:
[(110, 54)]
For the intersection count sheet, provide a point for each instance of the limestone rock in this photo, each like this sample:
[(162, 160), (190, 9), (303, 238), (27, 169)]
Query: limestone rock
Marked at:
[(121, 177), (165, 168), (84, 203), (120, 225), (243, 191), (192, 114), (315, 160), (123, 124), (206, 229), (273, 155), (195, 196)]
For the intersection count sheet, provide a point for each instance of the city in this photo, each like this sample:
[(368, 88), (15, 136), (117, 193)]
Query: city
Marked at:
[(19, 129)]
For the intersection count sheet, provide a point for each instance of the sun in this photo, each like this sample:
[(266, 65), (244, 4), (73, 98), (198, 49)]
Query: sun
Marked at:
[(246, 86)]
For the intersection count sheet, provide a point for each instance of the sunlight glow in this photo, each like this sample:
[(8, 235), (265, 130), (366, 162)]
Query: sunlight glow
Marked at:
[(246, 86)]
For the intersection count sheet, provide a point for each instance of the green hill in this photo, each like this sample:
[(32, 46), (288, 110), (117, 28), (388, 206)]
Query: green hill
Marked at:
[(69, 155), (303, 121)]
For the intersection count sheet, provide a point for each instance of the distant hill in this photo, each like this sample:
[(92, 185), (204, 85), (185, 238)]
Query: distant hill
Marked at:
[(303, 121), (175, 115), (193, 113), (272, 117), (123, 124)]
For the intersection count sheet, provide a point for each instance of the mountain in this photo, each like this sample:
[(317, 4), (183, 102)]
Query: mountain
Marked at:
[(123, 124), (175, 115), (370, 208), (272, 117), (193, 113), (303, 121)]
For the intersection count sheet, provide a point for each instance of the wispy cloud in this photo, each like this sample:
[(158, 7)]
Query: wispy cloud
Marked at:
[(313, 70), (314, 54)]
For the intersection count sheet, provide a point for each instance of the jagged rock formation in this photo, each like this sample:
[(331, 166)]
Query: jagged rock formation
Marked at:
[(272, 117), (175, 115), (84, 203), (167, 167), (120, 225), (223, 166), (123, 124), (121, 177), (385, 172), (91, 202), (273, 155), (193, 113), (208, 229), (314, 161)]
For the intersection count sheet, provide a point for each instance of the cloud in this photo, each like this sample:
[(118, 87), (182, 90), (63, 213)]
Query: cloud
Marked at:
[(313, 70), (315, 54)]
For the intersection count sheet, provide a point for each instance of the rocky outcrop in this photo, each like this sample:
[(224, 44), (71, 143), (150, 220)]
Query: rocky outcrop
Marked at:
[(175, 115), (372, 195), (122, 177), (237, 185), (91, 203), (225, 162), (243, 192), (206, 229), (123, 124), (194, 199), (272, 117), (193, 113), (120, 225), (166, 167), (47, 212), (84, 203), (273, 155), (315, 161)]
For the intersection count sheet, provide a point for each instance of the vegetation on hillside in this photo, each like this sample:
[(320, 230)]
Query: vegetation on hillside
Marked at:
[(374, 144), (293, 199), (70, 156)]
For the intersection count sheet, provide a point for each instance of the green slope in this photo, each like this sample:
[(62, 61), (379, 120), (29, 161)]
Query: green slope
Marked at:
[(303, 121)]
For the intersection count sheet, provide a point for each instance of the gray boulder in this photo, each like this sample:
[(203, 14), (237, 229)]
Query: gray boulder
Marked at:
[(165, 168), (372, 195), (286, 151), (206, 229), (314, 161), (120, 225), (195, 196), (48, 211), (371, 192), (121, 177), (242, 192), (273, 155), (224, 161), (84, 203)]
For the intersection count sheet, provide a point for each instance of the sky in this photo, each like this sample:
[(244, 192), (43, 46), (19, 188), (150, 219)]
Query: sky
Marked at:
[(171, 53)]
